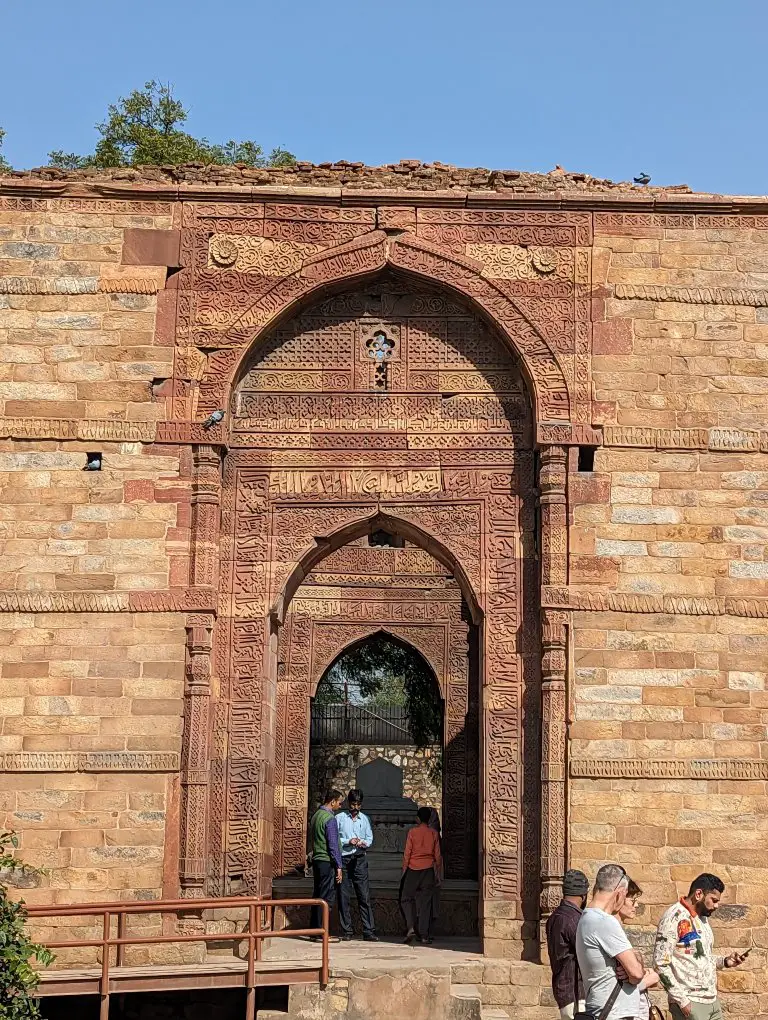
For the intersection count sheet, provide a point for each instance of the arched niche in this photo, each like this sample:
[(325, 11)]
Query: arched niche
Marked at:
[(363, 259)]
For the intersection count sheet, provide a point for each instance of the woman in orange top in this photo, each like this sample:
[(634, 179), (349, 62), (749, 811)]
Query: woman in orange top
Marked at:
[(421, 868)]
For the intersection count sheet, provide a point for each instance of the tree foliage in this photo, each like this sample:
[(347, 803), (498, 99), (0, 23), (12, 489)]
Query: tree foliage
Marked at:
[(18, 978), (4, 165), (380, 672), (146, 128)]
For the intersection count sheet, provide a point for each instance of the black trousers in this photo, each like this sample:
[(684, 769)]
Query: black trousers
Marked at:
[(323, 888), (418, 887), (355, 876)]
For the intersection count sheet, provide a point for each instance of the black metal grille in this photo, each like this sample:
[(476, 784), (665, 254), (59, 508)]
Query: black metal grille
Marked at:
[(358, 724)]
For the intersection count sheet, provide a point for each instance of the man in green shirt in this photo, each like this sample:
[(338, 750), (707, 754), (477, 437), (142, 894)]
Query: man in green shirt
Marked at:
[(325, 848)]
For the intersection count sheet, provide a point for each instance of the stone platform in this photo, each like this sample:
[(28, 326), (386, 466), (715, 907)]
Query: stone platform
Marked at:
[(387, 979)]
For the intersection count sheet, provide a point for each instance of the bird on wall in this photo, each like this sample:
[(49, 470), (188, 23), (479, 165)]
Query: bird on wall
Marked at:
[(643, 178), (213, 419), (93, 463)]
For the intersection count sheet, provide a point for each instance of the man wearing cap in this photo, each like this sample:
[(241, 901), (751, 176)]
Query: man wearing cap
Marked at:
[(561, 942)]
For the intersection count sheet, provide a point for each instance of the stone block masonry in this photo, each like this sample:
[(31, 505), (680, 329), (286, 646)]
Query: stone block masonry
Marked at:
[(620, 653)]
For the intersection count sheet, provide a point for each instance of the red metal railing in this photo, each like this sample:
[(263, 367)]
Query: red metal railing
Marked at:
[(260, 925)]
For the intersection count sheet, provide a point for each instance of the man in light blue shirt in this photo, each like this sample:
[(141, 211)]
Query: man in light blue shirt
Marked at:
[(356, 837)]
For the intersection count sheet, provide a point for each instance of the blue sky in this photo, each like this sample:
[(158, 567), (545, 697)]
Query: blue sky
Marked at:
[(609, 87)]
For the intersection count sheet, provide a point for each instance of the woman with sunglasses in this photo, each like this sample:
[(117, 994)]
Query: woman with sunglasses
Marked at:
[(628, 912)]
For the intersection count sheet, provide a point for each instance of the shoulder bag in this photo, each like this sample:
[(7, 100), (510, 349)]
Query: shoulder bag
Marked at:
[(606, 1008)]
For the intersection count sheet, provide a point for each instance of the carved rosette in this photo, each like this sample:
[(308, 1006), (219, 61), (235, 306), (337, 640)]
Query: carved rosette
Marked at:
[(554, 551), (195, 755)]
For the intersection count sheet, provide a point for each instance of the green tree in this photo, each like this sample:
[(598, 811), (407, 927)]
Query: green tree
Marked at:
[(18, 978), (380, 672), (146, 128), (4, 164)]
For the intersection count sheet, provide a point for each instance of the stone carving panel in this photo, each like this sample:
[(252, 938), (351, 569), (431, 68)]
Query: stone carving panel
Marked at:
[(300, 256)]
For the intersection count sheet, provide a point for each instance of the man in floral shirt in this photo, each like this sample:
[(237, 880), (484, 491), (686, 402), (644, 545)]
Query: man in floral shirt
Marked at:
[(683, 954)]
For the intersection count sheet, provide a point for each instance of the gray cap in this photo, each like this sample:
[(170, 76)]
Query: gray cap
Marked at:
[(575, 883)]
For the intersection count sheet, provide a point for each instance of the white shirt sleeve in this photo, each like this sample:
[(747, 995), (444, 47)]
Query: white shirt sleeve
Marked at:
[(612, 939)]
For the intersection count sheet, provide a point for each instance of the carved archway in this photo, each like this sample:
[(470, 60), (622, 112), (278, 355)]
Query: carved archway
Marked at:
[(461, 557), (309, 645), (365, 257), (476, 513)]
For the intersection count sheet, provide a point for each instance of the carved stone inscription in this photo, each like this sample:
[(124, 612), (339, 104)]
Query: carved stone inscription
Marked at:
[(343, 484)]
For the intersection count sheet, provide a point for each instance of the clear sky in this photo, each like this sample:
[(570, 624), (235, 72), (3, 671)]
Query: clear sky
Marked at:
[(674, 87)]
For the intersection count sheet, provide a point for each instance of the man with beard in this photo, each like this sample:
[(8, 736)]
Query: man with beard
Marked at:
[(683, 954)]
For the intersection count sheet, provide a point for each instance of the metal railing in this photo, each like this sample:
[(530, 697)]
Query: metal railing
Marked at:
[(260, 925), (358, 724)]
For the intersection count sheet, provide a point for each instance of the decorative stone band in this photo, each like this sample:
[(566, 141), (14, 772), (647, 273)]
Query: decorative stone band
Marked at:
[(693, 768), (166, 432), (674, 605), (691, 295), (719, 439), (90, 761), (174, 600), (76, 285), (65, 428)]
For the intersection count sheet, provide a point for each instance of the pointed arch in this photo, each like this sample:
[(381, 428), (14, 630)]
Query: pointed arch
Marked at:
[(367, 524), (363, 258), (365, 632)]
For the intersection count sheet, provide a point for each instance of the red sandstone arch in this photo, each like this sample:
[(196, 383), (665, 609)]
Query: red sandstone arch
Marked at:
[(308, 646), (320, 545), (484, 552), (365, 257)]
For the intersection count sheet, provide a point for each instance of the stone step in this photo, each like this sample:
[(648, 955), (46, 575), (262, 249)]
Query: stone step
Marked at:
[(465, 991), (500, 972), (493, 1013), (465, 1002)]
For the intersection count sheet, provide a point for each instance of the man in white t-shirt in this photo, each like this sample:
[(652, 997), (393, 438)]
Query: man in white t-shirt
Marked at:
[(605, 954)]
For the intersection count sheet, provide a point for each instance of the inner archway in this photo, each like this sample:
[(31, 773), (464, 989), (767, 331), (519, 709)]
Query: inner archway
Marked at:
[(377, 724), (376, 642)]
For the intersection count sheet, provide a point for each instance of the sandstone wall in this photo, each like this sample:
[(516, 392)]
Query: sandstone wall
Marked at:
[(668, 547), (668, 572), (90, 691)]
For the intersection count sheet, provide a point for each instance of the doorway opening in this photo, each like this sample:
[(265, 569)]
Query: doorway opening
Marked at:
[(377, 725)]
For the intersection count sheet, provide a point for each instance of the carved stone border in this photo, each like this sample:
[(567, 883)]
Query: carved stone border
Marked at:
[(726, 440), (667, 605), (695, 768), (691, 295), (76, 285), (89, 761), (66, 428), (173, 600)]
